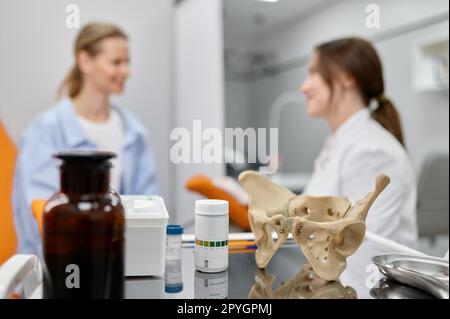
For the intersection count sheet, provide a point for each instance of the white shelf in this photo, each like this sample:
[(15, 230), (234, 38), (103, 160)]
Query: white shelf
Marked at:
[(430, 63)]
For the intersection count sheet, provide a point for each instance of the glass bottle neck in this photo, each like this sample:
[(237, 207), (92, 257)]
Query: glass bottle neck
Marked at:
[(84, 181)]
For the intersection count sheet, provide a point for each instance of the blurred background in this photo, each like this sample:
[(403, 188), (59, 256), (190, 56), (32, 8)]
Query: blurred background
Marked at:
[(240, 63)]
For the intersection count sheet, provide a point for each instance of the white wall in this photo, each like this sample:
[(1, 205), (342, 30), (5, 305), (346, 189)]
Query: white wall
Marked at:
[(237, 99), (199, 88), (36, 52), (425, 115), (237, 88), (344, 18)]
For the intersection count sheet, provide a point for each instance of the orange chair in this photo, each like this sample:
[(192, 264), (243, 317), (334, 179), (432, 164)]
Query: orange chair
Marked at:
[(205, 186), (37, 206), (8, 240)]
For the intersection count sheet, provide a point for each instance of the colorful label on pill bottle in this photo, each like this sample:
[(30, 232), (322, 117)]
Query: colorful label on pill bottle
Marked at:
[(211, 255)]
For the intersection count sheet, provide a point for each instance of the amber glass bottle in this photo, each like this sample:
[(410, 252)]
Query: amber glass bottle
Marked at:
[(83, 231)]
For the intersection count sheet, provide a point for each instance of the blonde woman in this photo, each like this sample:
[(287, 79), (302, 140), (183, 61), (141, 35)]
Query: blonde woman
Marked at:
[(84, 119)]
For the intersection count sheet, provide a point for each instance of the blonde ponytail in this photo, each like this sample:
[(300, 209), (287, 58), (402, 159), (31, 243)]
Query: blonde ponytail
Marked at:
[(72, 83)]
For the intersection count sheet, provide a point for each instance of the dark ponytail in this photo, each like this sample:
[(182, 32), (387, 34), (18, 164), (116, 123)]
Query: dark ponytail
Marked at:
[(388, 117), (359, 58)]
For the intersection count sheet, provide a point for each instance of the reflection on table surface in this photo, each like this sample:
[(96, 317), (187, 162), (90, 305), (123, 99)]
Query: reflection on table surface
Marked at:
[(387, 289), (306, 285), (288, 275)]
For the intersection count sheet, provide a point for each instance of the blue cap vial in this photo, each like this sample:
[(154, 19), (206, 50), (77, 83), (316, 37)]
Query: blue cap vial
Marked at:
[(174, 229)]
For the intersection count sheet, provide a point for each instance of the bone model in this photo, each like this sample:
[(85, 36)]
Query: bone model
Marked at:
[(327, 229)]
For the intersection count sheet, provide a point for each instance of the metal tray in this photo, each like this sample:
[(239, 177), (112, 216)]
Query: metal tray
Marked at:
[(426, 273), (390, 289)]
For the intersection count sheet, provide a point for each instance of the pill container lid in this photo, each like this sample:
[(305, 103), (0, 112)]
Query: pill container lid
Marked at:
[(211, 207), (174, 229)]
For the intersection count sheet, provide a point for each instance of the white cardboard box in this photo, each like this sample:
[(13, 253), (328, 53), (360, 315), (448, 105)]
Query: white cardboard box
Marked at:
[(145, 235)]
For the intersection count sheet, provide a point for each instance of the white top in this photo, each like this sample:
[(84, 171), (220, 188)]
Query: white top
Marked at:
[(348, 164), (211, 207), (108, 136)]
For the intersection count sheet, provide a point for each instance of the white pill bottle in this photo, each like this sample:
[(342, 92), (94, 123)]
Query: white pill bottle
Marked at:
[(211, 235)]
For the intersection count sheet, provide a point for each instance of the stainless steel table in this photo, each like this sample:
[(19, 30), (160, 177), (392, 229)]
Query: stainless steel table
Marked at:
[(287, 276)]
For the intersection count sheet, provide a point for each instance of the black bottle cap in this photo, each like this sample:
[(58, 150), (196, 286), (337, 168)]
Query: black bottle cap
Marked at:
[(88, 158)]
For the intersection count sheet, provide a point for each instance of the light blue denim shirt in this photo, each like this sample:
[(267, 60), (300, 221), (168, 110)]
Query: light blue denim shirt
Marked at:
[(37, 172)]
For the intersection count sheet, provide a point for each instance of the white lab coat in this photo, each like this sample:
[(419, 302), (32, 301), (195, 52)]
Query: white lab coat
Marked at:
[(348, 164)]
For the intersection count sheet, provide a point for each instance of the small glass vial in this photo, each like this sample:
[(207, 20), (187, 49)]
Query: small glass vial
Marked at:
[(174, 242), (173, 277), (211, 235)]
